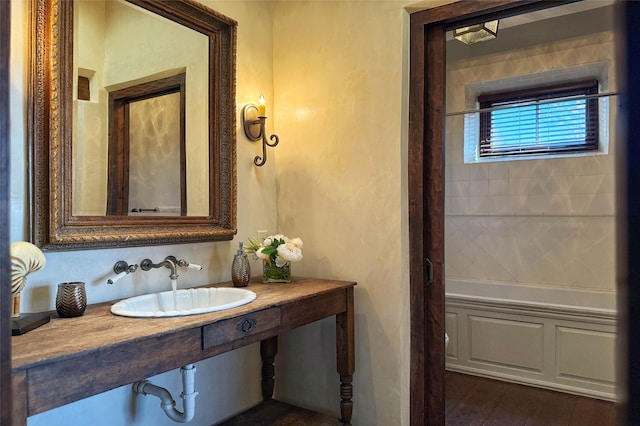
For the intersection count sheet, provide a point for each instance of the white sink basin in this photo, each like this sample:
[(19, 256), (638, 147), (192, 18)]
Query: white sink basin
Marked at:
[(187, 302)]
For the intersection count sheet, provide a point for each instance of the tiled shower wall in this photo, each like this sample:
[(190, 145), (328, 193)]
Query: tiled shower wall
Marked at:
[(547, 222)]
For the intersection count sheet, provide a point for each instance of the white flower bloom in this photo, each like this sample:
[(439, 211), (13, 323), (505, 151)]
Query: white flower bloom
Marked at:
[(296, 242), (289, 253), (260, 254)]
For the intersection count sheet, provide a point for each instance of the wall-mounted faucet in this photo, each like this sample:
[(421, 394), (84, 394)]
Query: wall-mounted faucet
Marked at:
[(121, 269), (169, 262)]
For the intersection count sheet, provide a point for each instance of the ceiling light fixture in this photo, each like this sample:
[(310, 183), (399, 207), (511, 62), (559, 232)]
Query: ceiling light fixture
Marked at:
[(476, 33)]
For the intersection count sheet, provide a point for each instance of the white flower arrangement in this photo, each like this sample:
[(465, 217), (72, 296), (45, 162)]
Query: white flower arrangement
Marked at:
[(277, 250)]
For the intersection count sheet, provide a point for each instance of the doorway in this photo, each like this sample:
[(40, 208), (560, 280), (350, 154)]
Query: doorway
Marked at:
[(530, 201), (426, 194)]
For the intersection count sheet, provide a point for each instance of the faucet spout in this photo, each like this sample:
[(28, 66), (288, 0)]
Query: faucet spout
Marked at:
[(169, 262)]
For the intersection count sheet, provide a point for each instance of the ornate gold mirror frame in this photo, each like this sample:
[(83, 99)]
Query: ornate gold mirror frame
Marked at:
[(53, 225)]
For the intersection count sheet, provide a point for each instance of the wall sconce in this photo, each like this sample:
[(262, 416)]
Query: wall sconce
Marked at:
[(253, 121), (476, 33)]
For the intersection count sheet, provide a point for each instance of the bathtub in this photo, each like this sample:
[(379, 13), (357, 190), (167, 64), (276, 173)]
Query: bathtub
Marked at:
[(555, 338)]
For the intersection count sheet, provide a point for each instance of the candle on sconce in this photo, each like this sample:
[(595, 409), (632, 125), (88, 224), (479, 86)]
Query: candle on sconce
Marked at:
[(261, 107)]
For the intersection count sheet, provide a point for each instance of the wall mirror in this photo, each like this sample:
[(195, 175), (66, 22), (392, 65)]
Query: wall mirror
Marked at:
[(132, 123)]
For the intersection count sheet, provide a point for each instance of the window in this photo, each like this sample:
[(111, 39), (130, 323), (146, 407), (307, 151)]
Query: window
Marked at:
[(545, 120)]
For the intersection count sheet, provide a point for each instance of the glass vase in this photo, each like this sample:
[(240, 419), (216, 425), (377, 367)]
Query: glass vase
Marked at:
[(276, 274)]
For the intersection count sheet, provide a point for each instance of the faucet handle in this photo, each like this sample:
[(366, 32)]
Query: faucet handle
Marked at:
[(183, 263), (114, 278), (121, 269), (194, 266)]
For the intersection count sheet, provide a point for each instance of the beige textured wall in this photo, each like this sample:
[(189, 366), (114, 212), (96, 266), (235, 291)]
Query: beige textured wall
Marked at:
[(340, 110), (90, 144), (228, 383), (335, 77), (548, 222)]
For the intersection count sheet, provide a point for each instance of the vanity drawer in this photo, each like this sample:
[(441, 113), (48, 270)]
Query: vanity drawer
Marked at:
[(234, 329)]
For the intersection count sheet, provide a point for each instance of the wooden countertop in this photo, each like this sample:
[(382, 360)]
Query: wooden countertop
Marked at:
[(99, 329), (72, 358)]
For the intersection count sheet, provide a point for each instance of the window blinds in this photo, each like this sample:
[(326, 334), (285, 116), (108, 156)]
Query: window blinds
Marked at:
[(560, 118)]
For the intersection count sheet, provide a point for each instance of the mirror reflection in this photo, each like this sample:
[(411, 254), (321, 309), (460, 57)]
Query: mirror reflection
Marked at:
[(131, 154), (146, 173), (154, 157), (133, 108)]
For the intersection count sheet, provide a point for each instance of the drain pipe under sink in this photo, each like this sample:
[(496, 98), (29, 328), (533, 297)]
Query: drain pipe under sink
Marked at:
[(167, 403)]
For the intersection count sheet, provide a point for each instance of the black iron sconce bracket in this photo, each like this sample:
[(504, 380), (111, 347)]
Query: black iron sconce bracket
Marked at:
[(254, 129)]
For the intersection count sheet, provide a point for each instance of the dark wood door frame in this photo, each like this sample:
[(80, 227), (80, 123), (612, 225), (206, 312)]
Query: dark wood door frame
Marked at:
[(628, 217), (5, 266), (426, 190)]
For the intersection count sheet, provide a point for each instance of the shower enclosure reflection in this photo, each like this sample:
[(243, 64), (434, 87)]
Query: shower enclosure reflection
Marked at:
[(517, 227)]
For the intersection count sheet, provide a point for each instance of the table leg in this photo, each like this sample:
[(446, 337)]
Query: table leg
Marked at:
[(268, 351), (19, 387), (345, 348)]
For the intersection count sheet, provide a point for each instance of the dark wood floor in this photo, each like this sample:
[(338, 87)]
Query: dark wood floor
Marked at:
[(473, 400), (276, 413)]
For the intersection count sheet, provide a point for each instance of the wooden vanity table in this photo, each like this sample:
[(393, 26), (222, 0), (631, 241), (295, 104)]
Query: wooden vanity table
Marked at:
[(73, 358)]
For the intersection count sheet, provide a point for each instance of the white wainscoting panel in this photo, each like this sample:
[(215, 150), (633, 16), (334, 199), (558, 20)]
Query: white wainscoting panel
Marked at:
[(566, 349), (514, 344), (577, 359)]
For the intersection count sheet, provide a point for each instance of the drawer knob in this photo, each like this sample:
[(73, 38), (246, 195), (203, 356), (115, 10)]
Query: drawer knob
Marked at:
[(247, 325)]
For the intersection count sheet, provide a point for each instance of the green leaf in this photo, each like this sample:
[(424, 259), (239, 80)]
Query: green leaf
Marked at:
[(269, 250)]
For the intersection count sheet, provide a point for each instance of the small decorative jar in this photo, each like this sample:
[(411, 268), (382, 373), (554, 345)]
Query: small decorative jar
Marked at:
[(276, 274), (71, 299)]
